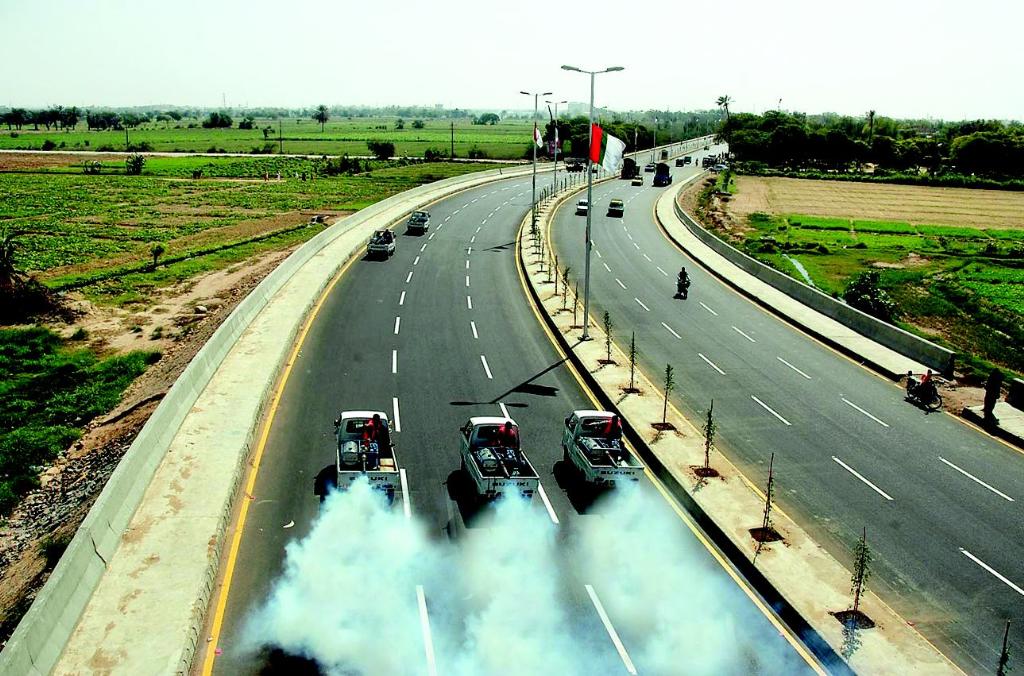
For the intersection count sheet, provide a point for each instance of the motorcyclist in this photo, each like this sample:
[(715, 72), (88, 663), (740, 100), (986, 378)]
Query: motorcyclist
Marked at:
[(682, 282)]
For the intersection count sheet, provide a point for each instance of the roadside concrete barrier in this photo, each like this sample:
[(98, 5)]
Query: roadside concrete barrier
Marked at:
[(905, 343), (44, 631)]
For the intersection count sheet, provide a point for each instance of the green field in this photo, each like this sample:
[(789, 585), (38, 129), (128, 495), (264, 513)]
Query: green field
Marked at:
[(95, 232), (505, 140), (959, 285)]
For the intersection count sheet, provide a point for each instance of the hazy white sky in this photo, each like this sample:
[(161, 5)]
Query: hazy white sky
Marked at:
[(902, 58)]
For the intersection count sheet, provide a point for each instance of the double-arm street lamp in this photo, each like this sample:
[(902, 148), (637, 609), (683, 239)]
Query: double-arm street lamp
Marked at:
[(533, 212), (590, 194)]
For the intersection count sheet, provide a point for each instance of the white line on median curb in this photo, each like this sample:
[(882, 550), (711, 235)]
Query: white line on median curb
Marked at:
[(401, 299), (708, 309), (472, 325), (398, 419), (992, 570), (976, 479), (793, 367), (612, 634), (770, 410), (641, 304), (398, 322), (850, 403), (428, 642), (740, 331), (487, 369), (669, 329), (710, 363), (861, 477), (394, 361), (620, 282)]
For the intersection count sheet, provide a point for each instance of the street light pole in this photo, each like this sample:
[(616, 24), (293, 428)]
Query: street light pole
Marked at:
[(554, 169), (590, 196), (533, 142), (654, 150)]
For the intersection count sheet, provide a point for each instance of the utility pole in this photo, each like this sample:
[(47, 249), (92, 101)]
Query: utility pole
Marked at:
[(453, 140), (127, 145), (533, 203), (280, 138)]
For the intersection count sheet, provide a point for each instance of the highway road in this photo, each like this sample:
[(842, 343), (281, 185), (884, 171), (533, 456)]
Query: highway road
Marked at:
[(942, 502), (438, 333)]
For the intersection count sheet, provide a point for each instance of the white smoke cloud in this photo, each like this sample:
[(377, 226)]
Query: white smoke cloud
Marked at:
[(510, 598)]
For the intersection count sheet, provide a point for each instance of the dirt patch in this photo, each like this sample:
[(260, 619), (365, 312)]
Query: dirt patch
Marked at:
[(914, 204), (854, 618), (32, 161), (71, 484)]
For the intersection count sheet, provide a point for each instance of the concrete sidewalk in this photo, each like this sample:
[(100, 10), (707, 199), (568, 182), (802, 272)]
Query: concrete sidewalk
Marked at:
[(1009, 424), (853, 344)]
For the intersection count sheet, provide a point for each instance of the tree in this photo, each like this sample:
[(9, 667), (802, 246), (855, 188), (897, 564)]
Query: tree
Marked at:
[(156, 251), (218, 121), (723, 103), (632, 361), (400, 124), (382, 150), (607, 320), (766, 517), (418, 124), (321, 115), (133, 165), (709, 430), (861, 569), (670, 383), (69, 117), (247, 123), (871, 126)]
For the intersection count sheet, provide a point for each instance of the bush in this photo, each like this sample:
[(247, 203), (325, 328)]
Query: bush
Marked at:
[(133, 165), (49, 145), (247, 123), (382, 150), (418, 124), (431, 155), (478, 154), (217, 121), (865, 294)]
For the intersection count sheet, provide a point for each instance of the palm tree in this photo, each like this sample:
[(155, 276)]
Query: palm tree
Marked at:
[(723, 103), (871, 126), (321, 115)]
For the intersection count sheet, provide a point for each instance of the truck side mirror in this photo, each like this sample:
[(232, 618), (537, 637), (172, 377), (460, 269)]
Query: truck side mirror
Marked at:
[(567, 418)]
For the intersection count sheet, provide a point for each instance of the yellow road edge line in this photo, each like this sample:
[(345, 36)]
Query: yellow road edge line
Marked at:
[(785, 631), (236, 539)]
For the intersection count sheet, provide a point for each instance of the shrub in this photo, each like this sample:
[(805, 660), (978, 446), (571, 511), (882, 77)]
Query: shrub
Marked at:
[(49, 145), (478, 154), (382, 150), (418, 124), (133, 165), (247, 123), (865, 294), (431, 155)]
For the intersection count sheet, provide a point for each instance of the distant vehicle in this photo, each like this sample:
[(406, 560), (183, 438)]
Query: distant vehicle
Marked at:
[(616, 208), (574, 165), (382, 244), (649, 167), (638, 179), (679, 161), (419, 222), (707, 162), (707, 147), (688, 160), (662, 176), (720, 167), (581, 207), (629, 168), (664, 154), (592, 443), (365, 450), (493, 460)]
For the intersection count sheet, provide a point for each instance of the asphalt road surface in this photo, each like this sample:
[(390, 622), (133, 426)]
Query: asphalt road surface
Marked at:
[(438, 333), (942, 502)]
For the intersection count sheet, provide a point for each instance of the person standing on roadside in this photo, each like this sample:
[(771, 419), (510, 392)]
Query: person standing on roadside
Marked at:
[(993, 387)]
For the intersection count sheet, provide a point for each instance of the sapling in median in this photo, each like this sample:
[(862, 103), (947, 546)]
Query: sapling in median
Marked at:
[(670, 383), (565, 286), (632, 361), (861, 569), (607, 337), (709, 429)]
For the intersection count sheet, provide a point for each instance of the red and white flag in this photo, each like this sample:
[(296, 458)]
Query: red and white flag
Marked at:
[(606, 150), (537, 138)]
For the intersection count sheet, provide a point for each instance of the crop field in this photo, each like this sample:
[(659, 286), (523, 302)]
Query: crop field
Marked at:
[(505, 140), (832, 203), (95, 232)]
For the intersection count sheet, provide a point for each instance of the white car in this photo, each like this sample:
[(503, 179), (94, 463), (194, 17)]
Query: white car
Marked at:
[(582, 207)]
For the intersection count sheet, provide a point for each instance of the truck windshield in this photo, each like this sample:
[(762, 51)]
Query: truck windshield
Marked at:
[(599, 427)]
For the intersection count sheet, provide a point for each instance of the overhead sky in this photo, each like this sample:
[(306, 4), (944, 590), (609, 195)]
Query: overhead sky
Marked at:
[(903, 58)]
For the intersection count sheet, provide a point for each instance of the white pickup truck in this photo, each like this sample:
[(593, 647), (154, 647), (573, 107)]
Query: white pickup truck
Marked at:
[(365, 449), (592, 442), (493, 460), (382, 244)]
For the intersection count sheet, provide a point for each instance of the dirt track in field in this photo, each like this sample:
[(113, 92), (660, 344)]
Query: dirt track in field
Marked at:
[(910, 203)]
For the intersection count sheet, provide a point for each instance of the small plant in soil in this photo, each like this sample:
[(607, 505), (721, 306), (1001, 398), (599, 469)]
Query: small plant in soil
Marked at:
[(709, 429), (608, 326), (632, 389), (853, 619), (765, 532), (670, 384)]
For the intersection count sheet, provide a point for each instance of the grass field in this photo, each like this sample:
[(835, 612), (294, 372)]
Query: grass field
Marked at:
[(505, 140), (95, 232)]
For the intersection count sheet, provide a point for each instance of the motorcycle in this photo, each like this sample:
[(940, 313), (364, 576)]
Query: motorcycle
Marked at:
[(682, 288), (925, 395)]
